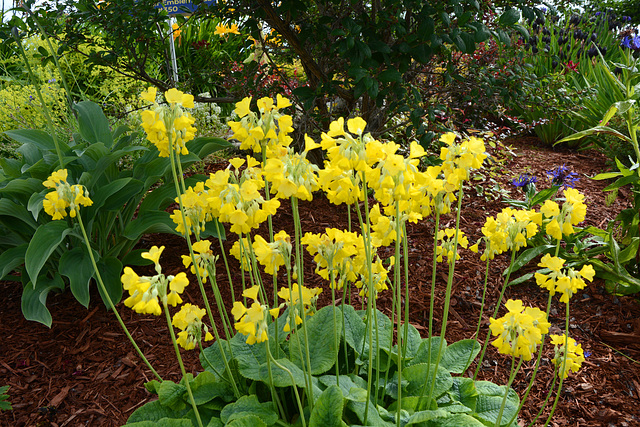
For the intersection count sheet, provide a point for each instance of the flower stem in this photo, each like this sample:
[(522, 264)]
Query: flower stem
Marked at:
[(180, 362), (103, 288)]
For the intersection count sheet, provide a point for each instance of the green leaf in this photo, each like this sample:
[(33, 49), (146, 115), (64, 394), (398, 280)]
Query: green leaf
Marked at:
[(110, 269), (39, 138), (490, 398), (608, 115), (285, 375), (593, 131), (172, 395), (158, 413), (373, 418), (12, 258), (526, 256), (390, 76), (327, 411), (93, 124), (34, 299), (428, 415), (459, 420), (352, 387), (163, 422), (249, 405), (459, 355), (464, 391), (206, 387), (544, 195), (247, 421), (428, 347), (44, 241), (249, 357), (76, 265), (354, 329), (212, 359), (205, 145), (14, 210), (322, 343), (509, 17), (150, 222)]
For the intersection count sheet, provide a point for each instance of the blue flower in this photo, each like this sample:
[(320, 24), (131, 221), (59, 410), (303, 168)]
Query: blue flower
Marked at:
[(631, 42), (562, 177), (51, 81), (524, 180)]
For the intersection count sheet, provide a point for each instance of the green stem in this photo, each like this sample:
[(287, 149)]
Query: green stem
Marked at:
[(295, 388), (103, 288), (182, 369), (563, 365), (508, 387), (484, 294)]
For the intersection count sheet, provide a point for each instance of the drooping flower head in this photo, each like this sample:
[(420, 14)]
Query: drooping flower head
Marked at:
[(189, 321), (291, 174), (268, 128), (252, 321), (447, 247), (569, 348), (520, 331), (273, 255), (292, 300), (144, 291), (65, 196), (459, 158), (561, 221), (205, 260), (164, 123), (566, 281), (197, 211)]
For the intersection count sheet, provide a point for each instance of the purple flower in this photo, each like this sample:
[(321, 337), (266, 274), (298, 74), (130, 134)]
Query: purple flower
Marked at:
[(631, 42), (524, 180), (562, 177), (51, 81)]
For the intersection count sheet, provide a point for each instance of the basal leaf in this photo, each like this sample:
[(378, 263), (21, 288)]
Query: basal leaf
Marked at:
[(34, 299), (327, 411), (44, 241)]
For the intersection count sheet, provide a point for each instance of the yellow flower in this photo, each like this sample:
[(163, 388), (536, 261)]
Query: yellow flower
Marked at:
[(519, 331), (204, 259), (569, 348), (65, 196), (567, 281), (446, 248), (150, 94), (251, 321), (189, 321), (292, 300), (144, 291)]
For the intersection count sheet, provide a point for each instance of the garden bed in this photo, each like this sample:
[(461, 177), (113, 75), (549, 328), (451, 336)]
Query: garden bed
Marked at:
[(83, 371)]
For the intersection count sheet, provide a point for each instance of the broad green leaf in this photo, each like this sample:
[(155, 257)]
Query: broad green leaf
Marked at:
[(621, 182), (373, 416), (172, 395), (93, 124), (247, 421), (44, 241), (464, 391), (150, 222), (427, 416), (14, 210), (490, 398), (249, 405), (322, 334), (327, 411), (34, 299), (163, 422), (76, 265), (428, 351), (206, 387), (412, 345), (417, 375), (157, 412), (22, 188), (459, 355), (129, 193), (352, 387), (544, 195), (205, 145), (212, 360), (35, 206), (608, 115), (39, 138), (354, 329), (110, 269), (12, 258), (509, 17), (285, 375), (249, 357), (390, 76), (458, 420)]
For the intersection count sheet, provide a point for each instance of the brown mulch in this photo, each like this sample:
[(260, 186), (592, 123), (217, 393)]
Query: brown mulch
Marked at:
[(84, 372)]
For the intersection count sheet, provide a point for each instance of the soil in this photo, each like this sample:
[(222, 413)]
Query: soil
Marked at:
[(84, 372)]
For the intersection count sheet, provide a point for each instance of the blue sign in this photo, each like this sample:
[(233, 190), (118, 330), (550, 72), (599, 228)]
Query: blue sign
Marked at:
[(181, 7)]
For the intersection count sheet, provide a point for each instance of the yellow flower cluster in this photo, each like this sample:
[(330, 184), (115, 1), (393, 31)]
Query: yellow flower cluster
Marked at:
[(204, 257), (567, 281), (235, 198), (291, 299), (459, 159), (509, 230), (197, 211), (519, 331), (268, 129), (291, 174), (273, 255), (223, 30), (166, 123), (574, 354), (446, 247), (144, 291), (252, 321), (65, 196), (189, 321), (561, 221)]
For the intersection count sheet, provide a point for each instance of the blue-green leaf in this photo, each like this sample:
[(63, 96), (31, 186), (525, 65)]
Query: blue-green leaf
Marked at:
[(327, 410), (44, 241), (93, 124), (76, 265), (34, 299)]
